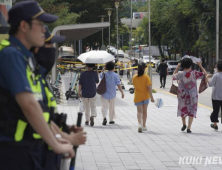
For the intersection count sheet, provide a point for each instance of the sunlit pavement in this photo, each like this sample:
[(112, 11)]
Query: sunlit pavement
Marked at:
[(163, 146)]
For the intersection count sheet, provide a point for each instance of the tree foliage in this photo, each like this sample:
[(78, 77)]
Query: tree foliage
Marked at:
[(183, 26)]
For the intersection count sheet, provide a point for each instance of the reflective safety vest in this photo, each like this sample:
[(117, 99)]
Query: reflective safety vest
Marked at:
[(13, 123)]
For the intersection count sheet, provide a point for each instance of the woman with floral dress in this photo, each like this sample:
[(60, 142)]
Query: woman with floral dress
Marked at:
[(187, 91)]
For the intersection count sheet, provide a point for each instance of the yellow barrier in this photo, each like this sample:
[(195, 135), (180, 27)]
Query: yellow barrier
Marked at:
[(83, 64), (72, 62), (129, 68)]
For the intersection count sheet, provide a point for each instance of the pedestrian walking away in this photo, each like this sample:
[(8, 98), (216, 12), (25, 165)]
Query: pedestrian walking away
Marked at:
[(128, 65), (121, 67), (216, 83), (108, 98), (87, 91), (142, 96), (187, 91), (163, 71), (135, 64)]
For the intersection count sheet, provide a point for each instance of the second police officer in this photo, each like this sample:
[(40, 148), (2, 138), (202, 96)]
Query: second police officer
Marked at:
[(45, 57)]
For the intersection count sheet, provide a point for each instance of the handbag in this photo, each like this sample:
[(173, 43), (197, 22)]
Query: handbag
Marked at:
[(101, 89), (174, 88), (81, 106), (203, 85)]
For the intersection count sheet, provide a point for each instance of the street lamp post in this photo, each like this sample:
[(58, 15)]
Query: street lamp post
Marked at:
[(122, 41), (150, 67), (117, 6), (132, 40), (134, 50), (109, 11), (102, 20), (217, 30), (131, 17)]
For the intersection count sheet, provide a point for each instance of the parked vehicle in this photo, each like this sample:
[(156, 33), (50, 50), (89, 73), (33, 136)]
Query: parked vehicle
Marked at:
[(146, 60), (120, 54), (157, 65), (113, 51), (172, 65), (67, 57)]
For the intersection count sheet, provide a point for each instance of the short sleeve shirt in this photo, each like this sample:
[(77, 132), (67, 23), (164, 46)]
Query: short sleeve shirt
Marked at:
[(141, 92), (13, 66), (163, 69), (216, 82), (135, 65), (88, 80), (186, 75), (112, 80)]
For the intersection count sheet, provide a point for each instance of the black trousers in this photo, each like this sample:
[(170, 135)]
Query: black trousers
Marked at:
[(217, 105), (121, 72), (163, 80), (51, 160), (128, 74), (20, 157)]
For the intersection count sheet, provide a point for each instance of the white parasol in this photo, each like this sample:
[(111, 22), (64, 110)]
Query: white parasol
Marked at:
[(93, 57)]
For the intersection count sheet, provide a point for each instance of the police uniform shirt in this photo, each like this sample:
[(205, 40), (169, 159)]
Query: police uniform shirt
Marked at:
[(13, 67)]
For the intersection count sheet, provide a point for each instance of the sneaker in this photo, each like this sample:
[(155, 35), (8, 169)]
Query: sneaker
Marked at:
[(104, 121), (140, 130), (91, 121), (183, 128), (189, 131), (214, 127), (161, 86), (111, 122), (87, 123), (144, 128)]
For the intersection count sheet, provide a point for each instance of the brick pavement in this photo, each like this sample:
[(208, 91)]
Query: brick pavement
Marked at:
[(121, 147)]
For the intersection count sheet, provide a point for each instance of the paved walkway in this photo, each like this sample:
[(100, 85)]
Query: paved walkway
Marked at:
[(121, 147)]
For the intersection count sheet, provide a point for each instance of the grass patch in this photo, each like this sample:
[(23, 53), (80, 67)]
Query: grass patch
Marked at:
[(153, 91)]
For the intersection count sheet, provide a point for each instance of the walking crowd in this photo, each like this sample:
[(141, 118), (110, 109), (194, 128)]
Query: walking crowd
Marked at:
[(187, 92), (33, 135)]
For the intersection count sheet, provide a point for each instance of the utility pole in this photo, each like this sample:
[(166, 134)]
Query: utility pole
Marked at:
[(117, 20), (150, 67), (217, 30), (109, 11), (131, 18)]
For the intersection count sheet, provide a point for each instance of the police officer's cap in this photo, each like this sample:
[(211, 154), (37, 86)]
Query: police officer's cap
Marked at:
[(27, 10), (50, 38)]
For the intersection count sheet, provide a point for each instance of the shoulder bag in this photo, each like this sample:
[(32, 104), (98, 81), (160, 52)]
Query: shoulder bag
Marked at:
[(101, 89)]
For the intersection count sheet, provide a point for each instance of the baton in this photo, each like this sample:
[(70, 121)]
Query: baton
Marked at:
[(73, 160)]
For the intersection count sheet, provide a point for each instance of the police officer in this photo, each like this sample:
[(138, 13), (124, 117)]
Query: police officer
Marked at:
[(24, 117), (45, 57)]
